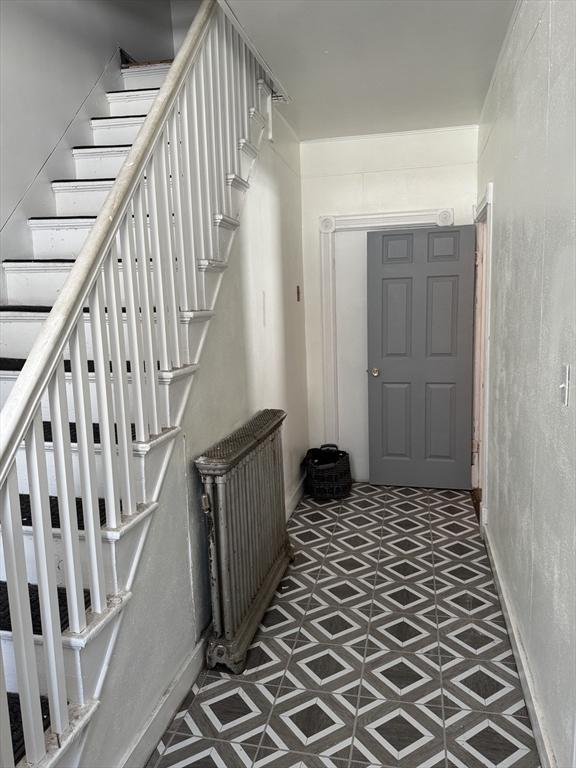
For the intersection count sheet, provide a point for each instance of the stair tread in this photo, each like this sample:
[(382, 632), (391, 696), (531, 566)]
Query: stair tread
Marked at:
[(59, 218), (102, 146), (134, 90), (26, 511), (16, 729), (81, 181), (38, 261), (119, 117), (6, 624), (47, 425)]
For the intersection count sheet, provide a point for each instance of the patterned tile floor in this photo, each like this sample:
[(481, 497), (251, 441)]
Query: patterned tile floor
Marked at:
[(385, 646)]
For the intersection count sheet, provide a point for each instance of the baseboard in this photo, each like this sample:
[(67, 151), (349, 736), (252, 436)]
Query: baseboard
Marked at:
[(151, 733), (293, 498), (545, 751)]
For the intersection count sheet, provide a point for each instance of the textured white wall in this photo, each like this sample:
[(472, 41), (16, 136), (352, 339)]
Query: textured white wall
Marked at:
[(52, 52), (183, 12), (254, 356), (372, 174), (527, 147)]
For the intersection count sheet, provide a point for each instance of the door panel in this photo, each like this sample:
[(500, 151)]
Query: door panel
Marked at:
[(420, 339)]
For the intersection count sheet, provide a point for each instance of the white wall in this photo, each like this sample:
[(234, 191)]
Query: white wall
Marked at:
[(372, 174), (52, 53), (254, 355), (183, 12), (527, 147)]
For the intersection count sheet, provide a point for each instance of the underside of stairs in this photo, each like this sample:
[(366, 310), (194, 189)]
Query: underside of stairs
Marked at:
[(68, 497)]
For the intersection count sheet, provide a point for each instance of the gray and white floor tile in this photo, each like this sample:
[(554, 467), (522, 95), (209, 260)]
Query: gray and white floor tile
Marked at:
[(384, 646)]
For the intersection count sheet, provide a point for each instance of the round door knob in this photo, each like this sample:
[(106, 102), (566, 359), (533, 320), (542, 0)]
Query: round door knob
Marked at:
[(375, 371)]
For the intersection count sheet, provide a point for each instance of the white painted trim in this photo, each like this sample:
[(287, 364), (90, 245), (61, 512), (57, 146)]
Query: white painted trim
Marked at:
[(543, 745), (485, 212), (375, 136), (293, 497), (152, 731), (329, 226)]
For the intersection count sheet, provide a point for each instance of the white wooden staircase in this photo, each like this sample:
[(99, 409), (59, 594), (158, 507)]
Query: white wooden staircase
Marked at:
[(101, 334)]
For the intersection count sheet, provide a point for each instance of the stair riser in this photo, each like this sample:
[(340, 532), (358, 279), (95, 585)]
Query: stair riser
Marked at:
[(172, 389), (120, 134), (130, 104), (39, 284), (80, 201), (7, 382), (99, 166), (58, 242), (17, 335), (148, 468), (144, 77), (82, 666)]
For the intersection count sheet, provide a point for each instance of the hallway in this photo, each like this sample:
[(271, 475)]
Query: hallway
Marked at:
[(385, 647)]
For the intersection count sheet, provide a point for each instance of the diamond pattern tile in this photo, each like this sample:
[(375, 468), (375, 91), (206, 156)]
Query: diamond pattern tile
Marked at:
[(314, 723), (396, 734), (478, 740), (384, 646), (403, 677)]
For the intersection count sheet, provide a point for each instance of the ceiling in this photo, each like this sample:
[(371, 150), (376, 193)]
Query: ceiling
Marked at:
[(354, 67)]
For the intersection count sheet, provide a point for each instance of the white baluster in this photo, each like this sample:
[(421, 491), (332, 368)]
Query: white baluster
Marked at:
[(119, 383), (132, 299), (21, 621), (244, 90), (66, 500), (217, 122), (87, 464), (105, 409), (232, 96), (167, 252), (181, 220), (162, 333), (46, 575), (6, 755), (205, 171), (184, 142), (149, 343), (226, 112), (200, 218)]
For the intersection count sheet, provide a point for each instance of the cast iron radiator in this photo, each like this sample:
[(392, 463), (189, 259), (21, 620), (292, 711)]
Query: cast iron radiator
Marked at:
[(249, 548)]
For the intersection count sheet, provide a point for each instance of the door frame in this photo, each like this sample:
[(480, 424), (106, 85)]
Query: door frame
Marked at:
[(330, 225), (483, 218)]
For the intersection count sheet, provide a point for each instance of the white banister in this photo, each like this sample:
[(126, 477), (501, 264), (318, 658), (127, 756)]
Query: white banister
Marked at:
[(116, 329), (6, 756)]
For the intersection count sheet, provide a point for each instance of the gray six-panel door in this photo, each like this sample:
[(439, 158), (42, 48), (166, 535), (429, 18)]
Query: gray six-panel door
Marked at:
[(420, 353)]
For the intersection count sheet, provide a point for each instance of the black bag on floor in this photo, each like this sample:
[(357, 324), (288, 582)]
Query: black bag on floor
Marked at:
[(327, 473)]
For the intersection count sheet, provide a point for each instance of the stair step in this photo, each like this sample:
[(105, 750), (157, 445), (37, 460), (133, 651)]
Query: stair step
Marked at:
[(80, 196), (99, 162), (26, 511), (134, 102), (16, 729), (5, 623), (116, 129), (17, 363), (59, 236), (145, 75), (47, 425)]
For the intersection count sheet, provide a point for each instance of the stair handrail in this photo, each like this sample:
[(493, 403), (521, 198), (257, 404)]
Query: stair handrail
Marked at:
[(22, 402)]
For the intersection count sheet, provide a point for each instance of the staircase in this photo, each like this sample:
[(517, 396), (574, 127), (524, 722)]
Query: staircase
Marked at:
[(100, 338)]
